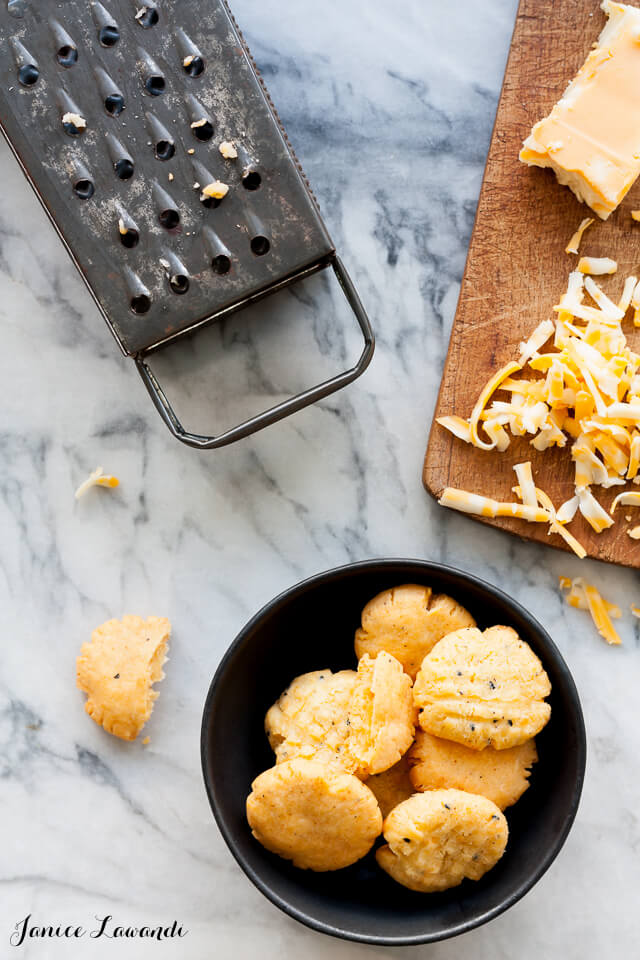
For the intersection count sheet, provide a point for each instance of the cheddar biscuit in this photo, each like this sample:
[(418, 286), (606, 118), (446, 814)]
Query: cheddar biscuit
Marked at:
[(392, 786), (382, 715), (436, 839), (482, 689), (500, 775), (310, 719), (117, 670), (361, 721), (406, 622), (313, 814)]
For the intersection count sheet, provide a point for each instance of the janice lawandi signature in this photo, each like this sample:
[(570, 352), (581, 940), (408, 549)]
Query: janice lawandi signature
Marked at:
[(105, 927)]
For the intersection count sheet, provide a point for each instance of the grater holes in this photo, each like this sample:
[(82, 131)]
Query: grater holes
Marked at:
[(193, 65), (169, 218), (221, 264), (165, 149), (73, 124), (108, 35), (114, 104), (28, 74), (260, 245), (67, 55), (155, 84), (130, 238), (202, 130), (140, 303), (251, 180), (210, 202), (84, 188), (179, 283), (147, 16), (123, 168)]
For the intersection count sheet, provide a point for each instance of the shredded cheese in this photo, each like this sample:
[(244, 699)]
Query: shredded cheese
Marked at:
[(597, 266), (585, 596), (574, 243), (578, 382), (634, 533), (96, 479)]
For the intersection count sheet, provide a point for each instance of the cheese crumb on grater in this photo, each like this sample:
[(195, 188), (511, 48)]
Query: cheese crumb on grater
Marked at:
[(228, 150), (75, 120), (198, 123), (217, 190), (591, 137), (121, 227), (188, 60)]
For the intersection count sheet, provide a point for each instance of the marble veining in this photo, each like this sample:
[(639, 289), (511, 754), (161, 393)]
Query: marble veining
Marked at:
[(390, 109)]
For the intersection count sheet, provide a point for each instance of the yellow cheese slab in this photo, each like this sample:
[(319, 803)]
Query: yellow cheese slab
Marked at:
[(591, 138)]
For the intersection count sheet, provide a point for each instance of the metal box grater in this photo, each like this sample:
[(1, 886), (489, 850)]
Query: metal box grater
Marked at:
[(117, 113)]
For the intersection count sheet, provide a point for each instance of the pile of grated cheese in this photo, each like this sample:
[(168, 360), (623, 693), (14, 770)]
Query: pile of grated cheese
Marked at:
[(579, 387)]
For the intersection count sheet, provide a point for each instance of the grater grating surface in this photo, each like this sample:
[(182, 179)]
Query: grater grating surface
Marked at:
[(117, 113)]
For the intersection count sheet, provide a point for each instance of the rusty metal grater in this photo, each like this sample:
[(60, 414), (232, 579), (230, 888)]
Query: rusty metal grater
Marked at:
[(116, 113)]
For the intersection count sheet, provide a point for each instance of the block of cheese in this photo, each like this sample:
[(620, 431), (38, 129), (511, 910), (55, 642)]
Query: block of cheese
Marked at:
[(591, 138)]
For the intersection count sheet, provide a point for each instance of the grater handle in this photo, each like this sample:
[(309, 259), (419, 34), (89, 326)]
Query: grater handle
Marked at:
[(280, 410)]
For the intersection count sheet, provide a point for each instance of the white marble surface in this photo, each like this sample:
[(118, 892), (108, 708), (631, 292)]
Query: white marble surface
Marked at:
[(390, 108)]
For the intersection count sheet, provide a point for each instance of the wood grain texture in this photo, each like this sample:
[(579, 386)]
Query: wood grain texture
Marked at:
[(516, 270)]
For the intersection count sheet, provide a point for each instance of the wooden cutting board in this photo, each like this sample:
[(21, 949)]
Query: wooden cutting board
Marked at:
[(516, 270)]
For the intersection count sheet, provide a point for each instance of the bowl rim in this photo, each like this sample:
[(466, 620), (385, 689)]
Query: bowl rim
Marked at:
[(552, 852)]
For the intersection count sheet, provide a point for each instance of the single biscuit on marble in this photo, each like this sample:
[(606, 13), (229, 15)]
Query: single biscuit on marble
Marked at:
[(500, 775), (407, 622), (117, 670), (437, 839), (392, 786), (482, 689), (382, 715), (313, 814), (310, 719)]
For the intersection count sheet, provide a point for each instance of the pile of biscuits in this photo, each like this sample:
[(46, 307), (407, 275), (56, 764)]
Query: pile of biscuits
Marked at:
[(427, 742)]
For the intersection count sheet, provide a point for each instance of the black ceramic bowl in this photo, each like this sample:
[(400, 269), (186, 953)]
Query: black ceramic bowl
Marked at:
[(311, 626)]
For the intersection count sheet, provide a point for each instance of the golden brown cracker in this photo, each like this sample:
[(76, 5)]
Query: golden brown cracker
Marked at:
[(407, 622), (382, 715), (117, 670), (437, 839), (392, 786), (313, 814), (310, 719), (500, 775), (482, 689)]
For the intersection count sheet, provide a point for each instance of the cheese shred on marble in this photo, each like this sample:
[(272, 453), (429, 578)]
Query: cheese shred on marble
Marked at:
[(576, 384), (96, 479), (591, 138), (584, 596)]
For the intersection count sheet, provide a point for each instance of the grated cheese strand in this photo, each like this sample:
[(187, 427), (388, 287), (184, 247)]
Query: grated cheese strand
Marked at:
[(574, 242)]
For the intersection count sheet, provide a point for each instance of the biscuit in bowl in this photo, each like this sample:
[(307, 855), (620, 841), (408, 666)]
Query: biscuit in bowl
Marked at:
[(407, 622), (392, 786), (437, 839), (482, 689), (500, 775), (310, 719), (313, 814)]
